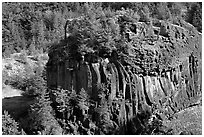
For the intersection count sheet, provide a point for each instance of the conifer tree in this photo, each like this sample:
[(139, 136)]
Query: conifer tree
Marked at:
[(42, 117)]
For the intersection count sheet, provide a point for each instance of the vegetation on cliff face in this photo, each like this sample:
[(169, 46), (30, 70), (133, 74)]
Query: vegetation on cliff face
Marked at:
[(100, 32)]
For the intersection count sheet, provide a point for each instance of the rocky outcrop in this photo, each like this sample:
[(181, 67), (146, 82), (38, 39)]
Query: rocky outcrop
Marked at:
[(162, 71)]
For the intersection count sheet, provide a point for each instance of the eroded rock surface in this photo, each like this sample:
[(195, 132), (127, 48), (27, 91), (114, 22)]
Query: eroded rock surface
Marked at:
[(162, 68)]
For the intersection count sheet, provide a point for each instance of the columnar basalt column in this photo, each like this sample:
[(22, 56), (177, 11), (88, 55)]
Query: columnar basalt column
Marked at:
[(96, 79)]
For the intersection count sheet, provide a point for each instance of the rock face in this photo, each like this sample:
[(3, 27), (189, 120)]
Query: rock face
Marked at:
[(162, 71)]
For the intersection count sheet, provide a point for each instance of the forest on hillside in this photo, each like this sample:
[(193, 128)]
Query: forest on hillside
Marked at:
[(37, 29), (34, 27)]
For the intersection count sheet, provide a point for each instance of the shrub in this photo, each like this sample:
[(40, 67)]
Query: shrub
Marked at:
[(34, 85), (9, 125), (20, 57), (31, 84), (4, 77), (155, 126)]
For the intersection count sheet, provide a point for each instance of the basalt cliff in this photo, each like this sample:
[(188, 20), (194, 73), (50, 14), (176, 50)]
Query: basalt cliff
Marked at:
[(158, 73)]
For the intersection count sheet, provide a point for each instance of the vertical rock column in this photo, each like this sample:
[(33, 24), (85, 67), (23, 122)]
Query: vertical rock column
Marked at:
[(53, 75), (122, 81), (134, 93), (142, 104), (96, 79), (82, 78), (60, 74), (89, 79), (113, 79), (74, 63), (117, 80), (68, 75), (148, 88), (49, 78)]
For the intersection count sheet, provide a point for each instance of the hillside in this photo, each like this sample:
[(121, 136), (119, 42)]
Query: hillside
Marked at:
[(140, 70), (102, 69), (36, 26)]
